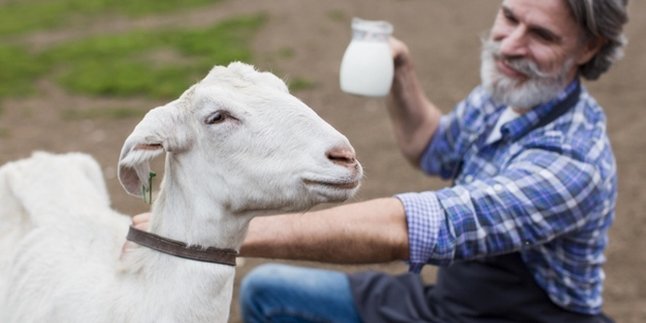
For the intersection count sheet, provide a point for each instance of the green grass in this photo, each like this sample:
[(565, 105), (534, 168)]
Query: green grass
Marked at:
[(156, 64), (30, 15), (18, 70), (126, 64), (121, 65)]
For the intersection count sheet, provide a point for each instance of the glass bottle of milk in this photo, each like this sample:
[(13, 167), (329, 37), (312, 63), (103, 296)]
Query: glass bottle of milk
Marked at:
[(367, 65)]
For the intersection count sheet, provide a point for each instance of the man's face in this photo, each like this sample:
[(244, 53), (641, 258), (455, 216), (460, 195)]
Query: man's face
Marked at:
[(533, 51)]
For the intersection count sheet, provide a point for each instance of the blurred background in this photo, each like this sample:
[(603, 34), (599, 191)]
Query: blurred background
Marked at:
[(77, 75)]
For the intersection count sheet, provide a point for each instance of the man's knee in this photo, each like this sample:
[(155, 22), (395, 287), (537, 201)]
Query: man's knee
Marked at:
[(275, 291), (260, 281)]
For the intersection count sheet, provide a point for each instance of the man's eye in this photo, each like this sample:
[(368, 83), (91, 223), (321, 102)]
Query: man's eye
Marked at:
[(509, 16), (545, 36)]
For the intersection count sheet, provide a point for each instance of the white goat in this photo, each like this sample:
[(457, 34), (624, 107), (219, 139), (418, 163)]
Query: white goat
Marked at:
[(238, 145)]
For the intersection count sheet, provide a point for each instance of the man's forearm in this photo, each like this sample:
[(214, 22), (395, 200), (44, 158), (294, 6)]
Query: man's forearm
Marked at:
[(414, 117), (366, 232)]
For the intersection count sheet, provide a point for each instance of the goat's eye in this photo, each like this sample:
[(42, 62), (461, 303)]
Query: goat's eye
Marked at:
[(216, 117)]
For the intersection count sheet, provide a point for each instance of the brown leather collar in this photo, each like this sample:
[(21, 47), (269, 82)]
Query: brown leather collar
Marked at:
[(180, 249)]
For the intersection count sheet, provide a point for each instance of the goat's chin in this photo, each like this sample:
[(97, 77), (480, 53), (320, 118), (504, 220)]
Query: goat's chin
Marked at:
[(325, 192)]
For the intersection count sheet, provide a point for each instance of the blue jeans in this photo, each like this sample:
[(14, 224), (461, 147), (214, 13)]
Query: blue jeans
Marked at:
[(281, 293)]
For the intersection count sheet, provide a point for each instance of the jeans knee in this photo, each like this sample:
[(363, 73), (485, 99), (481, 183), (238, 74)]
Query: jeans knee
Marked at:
[(261, 278), (259, 284), (281, 293)]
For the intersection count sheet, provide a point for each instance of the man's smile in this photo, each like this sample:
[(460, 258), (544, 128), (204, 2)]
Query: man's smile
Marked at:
[(509, 71)]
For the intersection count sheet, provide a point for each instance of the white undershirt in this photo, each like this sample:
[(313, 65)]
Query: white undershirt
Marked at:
[(506, 116)]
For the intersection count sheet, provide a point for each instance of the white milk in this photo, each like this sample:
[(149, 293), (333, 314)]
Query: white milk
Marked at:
[(367, 65)]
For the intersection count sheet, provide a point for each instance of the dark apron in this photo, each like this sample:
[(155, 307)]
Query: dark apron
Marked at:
[(499, 289)]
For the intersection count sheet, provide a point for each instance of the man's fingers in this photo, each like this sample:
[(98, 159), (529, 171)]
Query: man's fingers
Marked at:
[(140, 221)]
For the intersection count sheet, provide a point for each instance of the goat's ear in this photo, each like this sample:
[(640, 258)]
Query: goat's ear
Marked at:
[(161, 130)]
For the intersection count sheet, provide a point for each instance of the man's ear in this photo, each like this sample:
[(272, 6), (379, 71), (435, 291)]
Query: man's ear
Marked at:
[(591, 48), (161, 130)]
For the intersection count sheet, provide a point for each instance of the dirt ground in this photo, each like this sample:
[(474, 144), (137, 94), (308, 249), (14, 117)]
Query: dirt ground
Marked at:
[(444, 39)]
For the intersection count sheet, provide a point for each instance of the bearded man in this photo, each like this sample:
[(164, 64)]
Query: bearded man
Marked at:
[(519, 237)]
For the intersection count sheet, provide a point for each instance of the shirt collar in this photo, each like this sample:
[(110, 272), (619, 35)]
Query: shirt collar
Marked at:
[(526, 122)]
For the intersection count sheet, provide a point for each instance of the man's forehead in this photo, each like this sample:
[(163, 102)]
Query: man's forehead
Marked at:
[(556, 9), (551, 14)]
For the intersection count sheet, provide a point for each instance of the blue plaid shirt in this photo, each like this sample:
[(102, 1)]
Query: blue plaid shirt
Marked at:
[(548, 193)]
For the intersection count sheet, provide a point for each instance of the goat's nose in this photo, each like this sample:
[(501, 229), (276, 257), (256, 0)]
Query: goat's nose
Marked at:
[(343, 156)]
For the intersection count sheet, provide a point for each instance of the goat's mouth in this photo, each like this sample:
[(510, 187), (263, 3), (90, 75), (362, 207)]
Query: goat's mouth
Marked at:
[(348, 185)]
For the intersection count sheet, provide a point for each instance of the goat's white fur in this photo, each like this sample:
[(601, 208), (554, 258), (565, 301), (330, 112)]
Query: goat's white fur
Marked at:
[(60, 242)]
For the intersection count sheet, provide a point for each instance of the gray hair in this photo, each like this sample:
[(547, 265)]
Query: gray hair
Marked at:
[(601, 19)]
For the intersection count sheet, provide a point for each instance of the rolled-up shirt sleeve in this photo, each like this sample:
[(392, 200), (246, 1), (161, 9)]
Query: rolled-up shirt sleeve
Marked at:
[(423, 216), (441, 155)]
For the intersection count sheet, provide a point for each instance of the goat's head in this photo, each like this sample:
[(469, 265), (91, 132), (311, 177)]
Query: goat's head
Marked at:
[(242, 138)]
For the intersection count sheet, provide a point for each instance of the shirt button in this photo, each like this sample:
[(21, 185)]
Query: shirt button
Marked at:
[(498, 187), (468, 179)]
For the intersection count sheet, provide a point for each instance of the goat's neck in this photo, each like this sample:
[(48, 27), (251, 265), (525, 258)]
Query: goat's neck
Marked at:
[(186, 211)]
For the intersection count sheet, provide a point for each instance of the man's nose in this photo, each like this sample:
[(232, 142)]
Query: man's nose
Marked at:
[(515, 43)]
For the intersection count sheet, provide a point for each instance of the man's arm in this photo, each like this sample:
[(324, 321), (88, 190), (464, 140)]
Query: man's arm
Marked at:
[(366, 232), (414, 117)]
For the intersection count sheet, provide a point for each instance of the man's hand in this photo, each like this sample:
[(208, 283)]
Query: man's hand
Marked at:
[(400, 52), (140, 221)]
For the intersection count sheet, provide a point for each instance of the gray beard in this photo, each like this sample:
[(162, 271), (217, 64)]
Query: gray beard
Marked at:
[(537, 89)]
